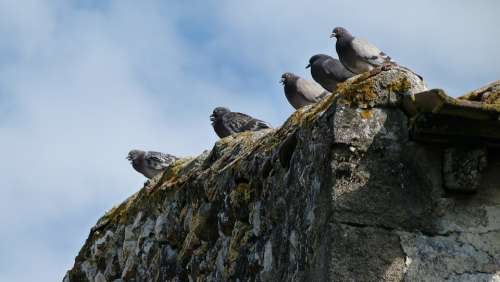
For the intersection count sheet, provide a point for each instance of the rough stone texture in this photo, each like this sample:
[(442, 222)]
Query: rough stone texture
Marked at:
[(338, 193), (463, 167), (489, 94)]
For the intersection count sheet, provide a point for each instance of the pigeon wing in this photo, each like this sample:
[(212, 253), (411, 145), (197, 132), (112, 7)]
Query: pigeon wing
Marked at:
[(238, 122), (235, 121), (369, 52), (310, 91), (335, 69), (256, 124), (328, 66), (157, 160)]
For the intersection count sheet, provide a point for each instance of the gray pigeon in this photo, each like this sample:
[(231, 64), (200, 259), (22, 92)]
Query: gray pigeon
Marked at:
[(357, 54), (300, 92), (226, 122), (150, 163), (328, 71)]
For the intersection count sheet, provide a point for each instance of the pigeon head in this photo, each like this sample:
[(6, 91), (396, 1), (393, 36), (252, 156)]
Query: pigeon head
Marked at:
[(288, 77), (218, 113), (134, 154), (315, 58), (340, 32)]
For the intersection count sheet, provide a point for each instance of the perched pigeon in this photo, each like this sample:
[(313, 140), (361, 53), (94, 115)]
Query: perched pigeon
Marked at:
[(150, 163), (301, 92), (328, 71), (226, 122), (357, 54)]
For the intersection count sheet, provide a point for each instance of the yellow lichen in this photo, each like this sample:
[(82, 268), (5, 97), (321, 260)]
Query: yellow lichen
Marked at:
[(366, 114), (362, 90), (399, 85), (358, 92)]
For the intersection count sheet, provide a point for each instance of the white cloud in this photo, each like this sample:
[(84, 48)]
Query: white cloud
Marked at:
[(81, 103), (81, 85)]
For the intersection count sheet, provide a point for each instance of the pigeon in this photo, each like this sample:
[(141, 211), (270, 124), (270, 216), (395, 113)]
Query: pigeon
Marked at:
[(226, 122), (300, 92), (357, 54), (150, 163), (328, 71)]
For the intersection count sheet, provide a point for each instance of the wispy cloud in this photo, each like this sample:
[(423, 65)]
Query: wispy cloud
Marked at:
[(83, 82)]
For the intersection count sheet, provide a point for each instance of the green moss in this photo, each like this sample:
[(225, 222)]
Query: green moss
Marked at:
[(119, 214), (191, 242), (491, 107), (173, 176), (359, 93), (241, 195), (362, 91), (399, 85), (170, 178), (488, 94), (239, 241), (200, 251)]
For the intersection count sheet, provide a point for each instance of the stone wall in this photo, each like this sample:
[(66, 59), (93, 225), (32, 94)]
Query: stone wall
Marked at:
[(338, 193)]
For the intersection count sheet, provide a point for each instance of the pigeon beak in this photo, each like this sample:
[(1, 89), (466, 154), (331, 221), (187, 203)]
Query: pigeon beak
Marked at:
[(308, 66), (333, 35), (212, 117), (282, 80)]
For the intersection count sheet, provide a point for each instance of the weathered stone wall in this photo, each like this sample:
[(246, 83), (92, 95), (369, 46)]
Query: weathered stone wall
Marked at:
[(338, 193), (489, 94)]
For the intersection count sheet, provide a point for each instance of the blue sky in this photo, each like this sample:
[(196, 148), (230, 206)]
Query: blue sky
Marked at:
[(83, 82)]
